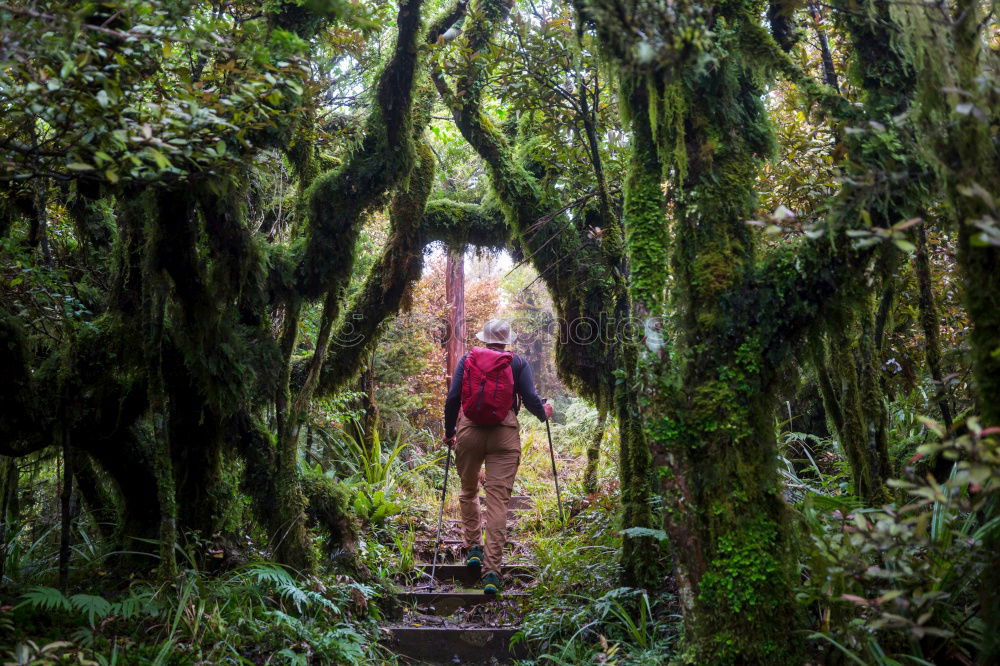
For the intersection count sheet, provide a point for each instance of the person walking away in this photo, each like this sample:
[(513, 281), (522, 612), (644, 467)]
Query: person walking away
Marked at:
[(480, 419)]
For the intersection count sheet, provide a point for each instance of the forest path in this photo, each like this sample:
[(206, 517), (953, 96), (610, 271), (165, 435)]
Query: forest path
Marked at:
[(453, 621)]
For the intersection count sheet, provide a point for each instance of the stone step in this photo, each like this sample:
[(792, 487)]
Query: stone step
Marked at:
[(463, 575), (454, 645), (446, 603)]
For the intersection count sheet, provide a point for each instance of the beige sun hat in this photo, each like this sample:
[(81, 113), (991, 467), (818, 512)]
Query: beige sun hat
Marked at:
[(497, 332)]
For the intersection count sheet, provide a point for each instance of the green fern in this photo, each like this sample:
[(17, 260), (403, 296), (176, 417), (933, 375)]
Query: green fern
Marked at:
[(142, 602), (283, 583), (95, 607), (266, 572), (293, 657), (84, 637), (45, 598)]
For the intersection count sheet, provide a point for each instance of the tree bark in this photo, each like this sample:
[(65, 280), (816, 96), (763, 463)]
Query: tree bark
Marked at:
[(454, 288), (930, 326), (9, 509), (96, 496)]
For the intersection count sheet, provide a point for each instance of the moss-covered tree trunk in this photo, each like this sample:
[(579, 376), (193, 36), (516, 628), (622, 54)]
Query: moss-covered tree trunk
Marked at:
[(717, 330), (692, 79), (972, 162), (9, 510), (709, 391), (594, 453), (848, 367), (930, 326)]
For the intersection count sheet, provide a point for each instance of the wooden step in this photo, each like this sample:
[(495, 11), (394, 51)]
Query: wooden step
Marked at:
[(517, 502), (446, 603), (512, 516), (463, 575), (454, 645), (429, 544)]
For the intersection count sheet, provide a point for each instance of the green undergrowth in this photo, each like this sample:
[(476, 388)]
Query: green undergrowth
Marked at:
[(579, 613), (257, 613), (230, 605), (888, 584)]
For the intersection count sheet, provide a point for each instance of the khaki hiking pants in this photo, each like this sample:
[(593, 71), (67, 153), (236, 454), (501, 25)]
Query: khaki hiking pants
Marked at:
[(499, 447)]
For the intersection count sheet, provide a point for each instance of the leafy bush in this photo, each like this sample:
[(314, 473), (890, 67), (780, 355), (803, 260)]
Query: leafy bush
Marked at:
[(578, 613), (901, 582)]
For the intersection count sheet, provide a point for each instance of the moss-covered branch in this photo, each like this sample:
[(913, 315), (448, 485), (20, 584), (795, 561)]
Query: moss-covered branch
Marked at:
[(579, 275), (388, 281), (458, 223), (337, 199), (584, 275), (646, 233)]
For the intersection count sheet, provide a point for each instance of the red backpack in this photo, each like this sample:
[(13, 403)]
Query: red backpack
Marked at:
[(487, 386)]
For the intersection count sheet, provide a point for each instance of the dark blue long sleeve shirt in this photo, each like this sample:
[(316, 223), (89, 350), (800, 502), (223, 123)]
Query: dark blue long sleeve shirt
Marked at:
[(524, 386)]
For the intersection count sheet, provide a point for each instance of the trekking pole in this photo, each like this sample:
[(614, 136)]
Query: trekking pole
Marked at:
[(555, 474), (444, 492)]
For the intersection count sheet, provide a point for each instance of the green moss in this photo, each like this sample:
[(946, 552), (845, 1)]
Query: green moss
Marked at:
[(329, 508), (744, 564), (646, 236), (708, 396), (740, 582), (386, 285), (459, 223)]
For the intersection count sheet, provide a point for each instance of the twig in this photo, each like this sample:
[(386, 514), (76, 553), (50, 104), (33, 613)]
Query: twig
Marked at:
[(128, 34), (545, 219)]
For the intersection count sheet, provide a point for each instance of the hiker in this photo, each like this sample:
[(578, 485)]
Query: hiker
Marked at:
[(487, 385)]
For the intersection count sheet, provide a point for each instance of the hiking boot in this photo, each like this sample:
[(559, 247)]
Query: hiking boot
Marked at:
[(491, 583), (475, 557)]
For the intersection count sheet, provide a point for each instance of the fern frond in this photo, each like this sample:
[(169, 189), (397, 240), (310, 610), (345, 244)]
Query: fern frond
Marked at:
[(95, 607), (83, 637), (142, 602), (267, 572), (45, 598), (295, 594), (282, 581)]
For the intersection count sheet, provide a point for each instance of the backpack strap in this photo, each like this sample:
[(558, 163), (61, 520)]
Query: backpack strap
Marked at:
[(516, 367)]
